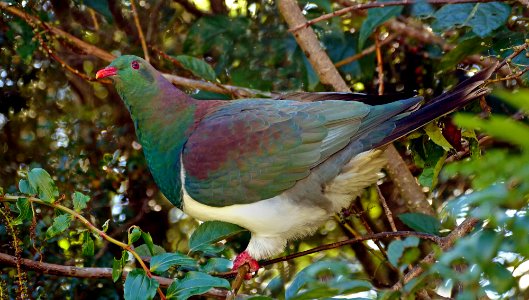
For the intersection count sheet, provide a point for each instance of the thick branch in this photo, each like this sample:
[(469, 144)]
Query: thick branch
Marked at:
[(78, 272)]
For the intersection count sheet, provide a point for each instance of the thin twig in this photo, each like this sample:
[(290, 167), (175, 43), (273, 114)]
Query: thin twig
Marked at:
[(346, 10), (140, 31), (380, 64), (387, 211), (364, 52)]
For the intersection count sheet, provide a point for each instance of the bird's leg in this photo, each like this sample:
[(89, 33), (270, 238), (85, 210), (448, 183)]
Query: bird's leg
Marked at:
[(245, 258)]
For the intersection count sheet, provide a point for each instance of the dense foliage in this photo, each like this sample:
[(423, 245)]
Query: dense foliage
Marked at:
[(77, 191)]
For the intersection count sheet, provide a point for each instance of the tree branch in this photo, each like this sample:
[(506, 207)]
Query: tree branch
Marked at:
[(80, 272), (140, 31)]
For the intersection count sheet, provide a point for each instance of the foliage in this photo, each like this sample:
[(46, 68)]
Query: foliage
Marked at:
[(78, 189)]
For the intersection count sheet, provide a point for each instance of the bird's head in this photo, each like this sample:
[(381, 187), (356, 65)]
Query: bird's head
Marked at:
[(134, 78), (129, 70)]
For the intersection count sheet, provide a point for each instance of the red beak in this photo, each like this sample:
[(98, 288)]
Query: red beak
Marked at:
[(108, 71)]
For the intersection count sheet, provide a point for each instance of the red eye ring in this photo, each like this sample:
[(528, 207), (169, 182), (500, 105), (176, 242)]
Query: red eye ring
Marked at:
[(135, 64)]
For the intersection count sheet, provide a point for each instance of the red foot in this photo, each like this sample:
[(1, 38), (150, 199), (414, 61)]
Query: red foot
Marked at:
[(245, 258)]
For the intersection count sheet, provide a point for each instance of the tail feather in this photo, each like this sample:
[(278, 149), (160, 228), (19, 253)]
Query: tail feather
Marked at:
[(446, 103)]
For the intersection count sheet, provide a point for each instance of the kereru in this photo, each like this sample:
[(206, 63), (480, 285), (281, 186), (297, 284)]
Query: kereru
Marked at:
[(278, 168)]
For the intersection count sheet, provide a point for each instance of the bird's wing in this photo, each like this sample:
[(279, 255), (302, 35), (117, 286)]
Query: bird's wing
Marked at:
[(252, 150)]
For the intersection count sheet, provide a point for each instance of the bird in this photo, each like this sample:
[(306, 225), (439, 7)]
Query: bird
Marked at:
[(279, 168)]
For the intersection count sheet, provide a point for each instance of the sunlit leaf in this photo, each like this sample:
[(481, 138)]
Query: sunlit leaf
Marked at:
[(211, 232), (41, 182), (79, 201), (25, 212), (139, 287), (60, 224)]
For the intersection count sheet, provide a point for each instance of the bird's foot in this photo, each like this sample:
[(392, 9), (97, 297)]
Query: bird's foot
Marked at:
[(245, 258)]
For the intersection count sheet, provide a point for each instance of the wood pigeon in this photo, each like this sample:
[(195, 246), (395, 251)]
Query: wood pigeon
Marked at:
[(279, 168)]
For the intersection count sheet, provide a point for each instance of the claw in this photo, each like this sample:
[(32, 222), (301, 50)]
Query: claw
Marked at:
[(245, 258)]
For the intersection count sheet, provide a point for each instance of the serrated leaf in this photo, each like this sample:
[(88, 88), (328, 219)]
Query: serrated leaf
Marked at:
[(60, 224), (25, 188), (148, 241), (375, 17), (211, 232), (134, 235), (25, 212), (421, 222), (194, 283), (483, 18), (79, 201), (88, 245), (41, 182), (162, 262), (138, 286), (197, 66)]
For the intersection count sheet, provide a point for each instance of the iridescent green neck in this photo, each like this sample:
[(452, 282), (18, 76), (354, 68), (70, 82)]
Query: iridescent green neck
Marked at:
[(162, 117)]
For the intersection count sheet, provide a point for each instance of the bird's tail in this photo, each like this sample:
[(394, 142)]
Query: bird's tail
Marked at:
[(463, 93)]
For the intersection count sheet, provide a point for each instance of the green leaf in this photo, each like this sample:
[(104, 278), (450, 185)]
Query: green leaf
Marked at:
[(25, 212), (211, 232), (197, 66), (483, 18), (144, 251), (117, 269), (421, 222), (500, 278), (138, 286), (41, 182), (25, 188), (435, 134), (117, 266), (517, 98), (100, 6), (162, 262), (134, 235), (216, 264), (194, 283), (148, 241), (375, 17), (105, 225), (461, 51), (79, 201), (395, 250), (88, 245), (422, 9), (502, 127), (60, 224)]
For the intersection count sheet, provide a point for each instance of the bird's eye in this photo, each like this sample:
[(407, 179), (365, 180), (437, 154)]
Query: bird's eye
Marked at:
[(135, 65)]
